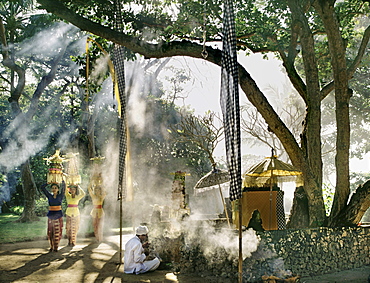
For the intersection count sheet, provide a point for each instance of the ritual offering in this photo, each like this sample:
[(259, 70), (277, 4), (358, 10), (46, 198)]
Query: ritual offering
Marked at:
[(73, 177), (96, 176), (55, 170)]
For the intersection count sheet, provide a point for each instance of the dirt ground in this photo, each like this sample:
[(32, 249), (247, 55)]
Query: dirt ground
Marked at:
[(88, 261), (99, 262)]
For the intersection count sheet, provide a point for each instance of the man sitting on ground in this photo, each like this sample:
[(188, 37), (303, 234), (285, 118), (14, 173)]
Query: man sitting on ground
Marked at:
[(136, 258)]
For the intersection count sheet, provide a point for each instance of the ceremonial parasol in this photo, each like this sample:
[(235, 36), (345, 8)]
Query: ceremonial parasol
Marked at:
[(269, 172), (216, 177)]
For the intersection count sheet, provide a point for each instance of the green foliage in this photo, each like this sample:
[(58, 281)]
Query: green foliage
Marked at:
[(17, 210), (20, 25), (17, 197), (13, 231), (360, 106), (262, 26), (41, 206), (157, 152), (4, 109), (39, 168)]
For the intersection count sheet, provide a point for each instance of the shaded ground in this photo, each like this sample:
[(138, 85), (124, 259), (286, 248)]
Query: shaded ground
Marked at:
[(86, 262), (92, 262)]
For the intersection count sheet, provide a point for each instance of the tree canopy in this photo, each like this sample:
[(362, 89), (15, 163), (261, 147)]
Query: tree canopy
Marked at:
[(321, 44), (48, 103)]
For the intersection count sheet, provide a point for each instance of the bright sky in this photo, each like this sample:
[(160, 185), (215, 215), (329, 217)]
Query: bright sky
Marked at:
[(204, 91)]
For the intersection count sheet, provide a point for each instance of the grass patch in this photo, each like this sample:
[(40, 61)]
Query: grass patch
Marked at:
[(12, 231)]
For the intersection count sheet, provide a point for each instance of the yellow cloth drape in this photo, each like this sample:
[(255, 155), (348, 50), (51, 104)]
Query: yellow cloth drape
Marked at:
[(129, 187), (259, 200)]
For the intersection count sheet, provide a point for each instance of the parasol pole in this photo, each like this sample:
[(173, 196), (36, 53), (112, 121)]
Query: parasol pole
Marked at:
[(240, 262), (271, 178), (224, 204)]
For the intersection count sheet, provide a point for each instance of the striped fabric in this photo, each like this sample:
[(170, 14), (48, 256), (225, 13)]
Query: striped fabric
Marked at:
[(72, 227), (230, 101), (280, 212), (55, 228), (119, 68)]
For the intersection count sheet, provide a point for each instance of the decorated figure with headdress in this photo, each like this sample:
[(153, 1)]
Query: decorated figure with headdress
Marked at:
[(55, 197), (98, 195), (74, 194)]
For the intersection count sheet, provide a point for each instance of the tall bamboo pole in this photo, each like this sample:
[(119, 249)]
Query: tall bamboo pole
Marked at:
[(120, 229), (120, 91), (240, 265)]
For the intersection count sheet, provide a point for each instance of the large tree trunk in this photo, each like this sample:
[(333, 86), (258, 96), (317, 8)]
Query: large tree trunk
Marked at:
[(29, 192), (351, 214), (299, 211), (311, 136), (337, 50)]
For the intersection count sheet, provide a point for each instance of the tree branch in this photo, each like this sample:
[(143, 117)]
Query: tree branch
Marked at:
[(191, 49), (8, 62)]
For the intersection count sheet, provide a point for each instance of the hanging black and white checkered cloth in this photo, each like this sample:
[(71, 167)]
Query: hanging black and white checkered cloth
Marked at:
[(119, 67), (120, 76), (230, 101)]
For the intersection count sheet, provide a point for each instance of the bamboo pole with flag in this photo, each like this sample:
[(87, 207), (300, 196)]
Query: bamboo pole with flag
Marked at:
[(229, 99), (120, 75), (120, 87)]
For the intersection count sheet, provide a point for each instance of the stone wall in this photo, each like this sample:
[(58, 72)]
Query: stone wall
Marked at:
[(282, 253), (323, 250)]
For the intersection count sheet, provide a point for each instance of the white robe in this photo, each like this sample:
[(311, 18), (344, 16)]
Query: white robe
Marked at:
[(134, 258)]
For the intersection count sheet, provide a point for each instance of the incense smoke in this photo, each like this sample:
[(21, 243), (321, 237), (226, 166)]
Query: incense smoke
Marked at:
[(21, 142)]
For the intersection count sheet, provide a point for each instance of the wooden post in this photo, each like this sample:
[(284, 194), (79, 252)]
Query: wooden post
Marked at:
[(224, 204), (240, 265), (120, 227)]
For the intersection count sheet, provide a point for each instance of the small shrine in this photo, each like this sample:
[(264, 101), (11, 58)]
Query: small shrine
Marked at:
[(179, 198), (263, 199)]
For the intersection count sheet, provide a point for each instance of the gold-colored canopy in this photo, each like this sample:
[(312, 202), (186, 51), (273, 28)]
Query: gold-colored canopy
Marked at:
[(270, 171)]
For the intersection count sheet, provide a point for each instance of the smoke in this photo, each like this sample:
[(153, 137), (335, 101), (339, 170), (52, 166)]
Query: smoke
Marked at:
[(151, 186), (26, 137), (20, 133), (22, 145), (140, 84), (212, 238), (48, 42), (100, 69)]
